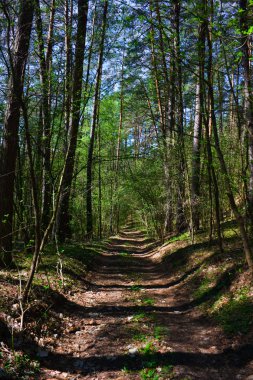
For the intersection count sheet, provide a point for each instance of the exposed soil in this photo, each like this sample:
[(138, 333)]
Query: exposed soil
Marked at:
[(134, 312), (133, 316)]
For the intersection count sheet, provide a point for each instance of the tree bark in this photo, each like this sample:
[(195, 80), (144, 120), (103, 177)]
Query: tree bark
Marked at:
[(45, 60), (195, 180), (227, 181), (63, 218), (210, 123), (180, 220), (246, 61), (89, 212), (11, 126)]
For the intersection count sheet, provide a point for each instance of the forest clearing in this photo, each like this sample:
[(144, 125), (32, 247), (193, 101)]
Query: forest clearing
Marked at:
[(126, 189)]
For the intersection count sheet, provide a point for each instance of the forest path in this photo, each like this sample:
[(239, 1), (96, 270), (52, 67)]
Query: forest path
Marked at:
[(136, 321)]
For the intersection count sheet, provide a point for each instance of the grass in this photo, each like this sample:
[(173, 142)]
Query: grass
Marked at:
[(180, 237), (140, 337), (139, 317), (149, 374), (148, 301), (135, 288), (148, 349), (18, 365), (236, 316), (124, 254), (157, 334), (47, 286), (203, 287), (76, 259), (152, 371), (234, 312), (160, 331), (228, 303)]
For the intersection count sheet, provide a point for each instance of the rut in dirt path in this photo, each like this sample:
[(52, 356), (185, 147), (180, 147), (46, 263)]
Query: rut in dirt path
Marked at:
[(136, 315)]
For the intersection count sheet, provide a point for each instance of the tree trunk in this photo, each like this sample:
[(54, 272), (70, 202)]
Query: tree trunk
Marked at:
[(210, 123), (227, 181), (63, 218), (181, 221), (246, 60), (195, 180), (11, 126), (44, 60), (68, 69), (89, 215), (35, 202)]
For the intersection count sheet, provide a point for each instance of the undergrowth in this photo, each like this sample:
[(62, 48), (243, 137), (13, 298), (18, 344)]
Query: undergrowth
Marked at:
[(218, 290), (234, 312), (40, 318), (17, 365), (180, 237)]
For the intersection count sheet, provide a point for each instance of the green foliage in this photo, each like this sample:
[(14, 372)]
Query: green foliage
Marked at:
[(124, 254), (159, 332), (181, 237), (149, 374), (148, 301), (139, 317), (236, 315), (152, 371), (148, 349), (140, 337), (20, 366), (136, 288), (203, 287)]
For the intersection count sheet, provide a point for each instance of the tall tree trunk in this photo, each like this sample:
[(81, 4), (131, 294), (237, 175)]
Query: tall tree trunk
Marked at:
[(115, 201), (227, 180), (166, 125), (99, 185), (35, 202), (195, 180), (11, 126), (68, 68), (44, 60), (247, 57), (181, 221), (63, 218), (210, 123), (89, 214)]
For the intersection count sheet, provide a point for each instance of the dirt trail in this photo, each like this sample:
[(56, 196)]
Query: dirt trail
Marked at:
[(135, 321)]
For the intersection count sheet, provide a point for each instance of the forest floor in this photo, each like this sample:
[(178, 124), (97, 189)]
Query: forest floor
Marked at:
[(144, 311)]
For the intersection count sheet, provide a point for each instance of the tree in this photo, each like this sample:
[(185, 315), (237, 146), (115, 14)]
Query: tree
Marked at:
[(246, 62), (17, 59), (89, 222), (63, 218)]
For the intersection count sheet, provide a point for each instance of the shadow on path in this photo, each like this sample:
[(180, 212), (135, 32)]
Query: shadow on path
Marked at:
[(235, 358)]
